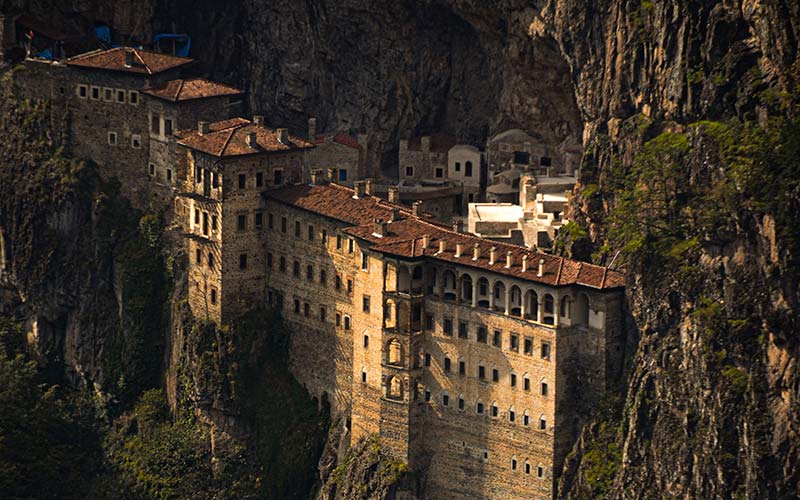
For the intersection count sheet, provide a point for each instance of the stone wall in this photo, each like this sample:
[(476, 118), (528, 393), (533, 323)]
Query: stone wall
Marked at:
[(331, 154)]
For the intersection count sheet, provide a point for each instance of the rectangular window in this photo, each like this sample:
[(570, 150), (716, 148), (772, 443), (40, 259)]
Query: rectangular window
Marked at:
[(167, 127), (366, 341), (439, 172), (545, 350), (323, 277), (296, 306), (214, 180), (169, 175), (338, 242), (324, 236), (323, 313), (427, 395), (365, 303), (447, 327), (349, 286), (447, 364), (211, 261), (526, 384), (95, 95), (429, 322), (445, 399), (296, 268), (364, 261), (338, 319), (270, 221), (460, 403), (82, 91), (513, 380), (497, 338), (514, 342), (213, 296), (108, 94), (363, 377), (269, 260), (427, 359), (283, 224), (310, 232), (342, 175), (481, 372), (495, 375), (338, 283), (409, 171), (259, 179), (545, 161), (259, 220), (152, 167), (197, 216), (120, 96), (527, 346), (133, 98), (544, 389), (112, 138), (242, 181), (462, 368), (482, 335), (282, 265), (277, 177), (458, 166), (198, 254), (241, 222), (310, 273), (297, 229), (351, 245), (136, 141), (468, 169), (155, 125), (243, 261), (463, 330), (346, 322), (205, 223)]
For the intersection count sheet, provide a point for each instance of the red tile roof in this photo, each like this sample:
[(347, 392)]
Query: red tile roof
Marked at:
[(341, 138), (194, 88), (404, 238), (229, 138), (440, 143), (144, 62)]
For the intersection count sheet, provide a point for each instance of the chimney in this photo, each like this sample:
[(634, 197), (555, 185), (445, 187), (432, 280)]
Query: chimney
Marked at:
[(312, 128), (316, 177), (416, 209), (358, 188), (395, 214), (524, 263), (369, 186), (331, 174), (259, 120), (442, 246), (128, 58), (458, 226), (202, 128), (426, 241), (492, 255), (509, 260), (541, 268), (380, 228), (394, 194), (476, 252), (250, 138), (459, 247), (283, 135)]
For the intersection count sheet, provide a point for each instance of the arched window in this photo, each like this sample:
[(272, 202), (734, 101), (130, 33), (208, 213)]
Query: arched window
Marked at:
[(539, 470), (512, 415), (466, 287), (495, 409), (581, 310), (461, 402), (449, 282), (527, 467), (515, 296), (526, 419), (479, 408), (531, 305), (499, 296), (394, 388), (566, 307), (483, 292), (395, 352), (513, 463), (542, 422), (549, 310), (543, 389), (445, 399), (526, 382)]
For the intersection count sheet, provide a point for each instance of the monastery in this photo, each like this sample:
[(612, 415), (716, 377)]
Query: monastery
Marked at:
[(476, 361)]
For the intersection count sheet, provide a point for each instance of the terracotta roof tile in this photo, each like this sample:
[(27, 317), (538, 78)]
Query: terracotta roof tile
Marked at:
[(339, 137), (195, 88), (144, 62), (440, 143), (229, 138), (403, 238)]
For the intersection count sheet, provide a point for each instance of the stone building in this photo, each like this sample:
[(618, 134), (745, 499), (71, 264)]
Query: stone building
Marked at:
[(424, 157), (516, 148), (339, 151), (465, 355), (230, 164)]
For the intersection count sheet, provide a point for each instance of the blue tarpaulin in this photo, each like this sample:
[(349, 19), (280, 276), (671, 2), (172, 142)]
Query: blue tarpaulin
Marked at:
[(183, 42), (103, 33)]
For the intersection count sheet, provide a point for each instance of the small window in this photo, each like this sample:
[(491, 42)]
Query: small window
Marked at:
[(324, 236), (269, 260), (482, 335), (513, 464), (364, 261), (514, 342), (213, 223), (259, 179), (479, 408), (95, 95), (136, 141), (349, 286), (338, 242), (211, 261), (446, 364), (108, 94), (323, 277), (545, 161), (338, 282), (112, 138), (347, 322), (439, 173), (310, 232), (512, 415), (342, 175), (296, 268), (543, 389), (242, 181), (458, 166), (497, 338), (259, 220), (241, 222), (297, 229), (350, 245), (197, 216), (155, 127), (495, 375), (283, 224), (282, 264), (513, 379), (461, 403), (152, 168), (364, 376), (526, 383), (409, 171), (205, 223), (296, 306), (213, 296), (427, 395), (427, 359), (545, 350), (277, 177), (133, 98), (528, 346), (527, 468), (540, 471), (463, 330), (542, 423), (169, 175), (365, 303), (366, 341), (526, 419), (309, 273), (167, 127), (481, 372), (306, 309), (338, 319), (445, 399), (462, 368), (270, 221), (447, 327), (243, 261), (120, 96), (495, 410), (82, 91), (429, 322)]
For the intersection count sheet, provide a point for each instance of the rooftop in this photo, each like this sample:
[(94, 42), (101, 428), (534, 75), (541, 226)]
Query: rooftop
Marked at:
[(496, 212), (440, 143), (141, 61), (194, 88), (229, 138), (404, 238), (338, 137)]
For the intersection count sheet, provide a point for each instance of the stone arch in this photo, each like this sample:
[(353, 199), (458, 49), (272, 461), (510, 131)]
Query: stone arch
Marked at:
[(390, 314), (542, 422), (390, 277), (495, 410), (394, 352), (548, 309), (565, 309), (431, 274), (532, 305), (526, 418), (499, 291), (394, 387), (484, 291), (466, 287), (449, 285), (515, 299), (581, 310), (403, 279)]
